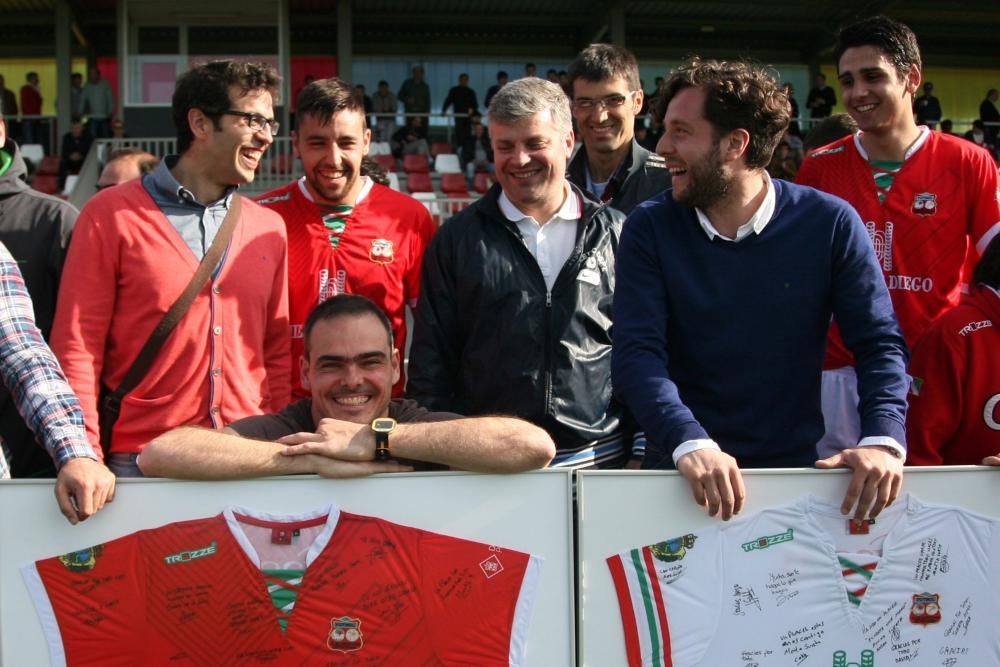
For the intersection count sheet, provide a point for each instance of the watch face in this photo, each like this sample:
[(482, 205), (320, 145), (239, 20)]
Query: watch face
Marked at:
[(383, 424)]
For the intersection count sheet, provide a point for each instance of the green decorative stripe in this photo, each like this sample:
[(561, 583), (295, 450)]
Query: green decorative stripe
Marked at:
[(283, 587), (854, 567), (649, 603)]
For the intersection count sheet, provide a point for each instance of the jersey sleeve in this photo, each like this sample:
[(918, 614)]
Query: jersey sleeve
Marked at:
[(937, 368), (87, 602), (984, 197), (424, 229), (669, 596), (478, 599)]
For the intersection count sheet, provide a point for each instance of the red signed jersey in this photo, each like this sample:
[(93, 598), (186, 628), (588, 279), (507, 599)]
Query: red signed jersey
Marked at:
[(326, 587), (378, 256), (943, 206)]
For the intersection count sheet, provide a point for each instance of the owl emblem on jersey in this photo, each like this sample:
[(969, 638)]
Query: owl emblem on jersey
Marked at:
[(345, 635), (83, 560), (381, 251), (867, 659), (673, 550), (925, 204), (882, 241), (926, 609)]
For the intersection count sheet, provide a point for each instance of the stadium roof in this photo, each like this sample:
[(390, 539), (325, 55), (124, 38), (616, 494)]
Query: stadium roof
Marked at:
[(951, 34)]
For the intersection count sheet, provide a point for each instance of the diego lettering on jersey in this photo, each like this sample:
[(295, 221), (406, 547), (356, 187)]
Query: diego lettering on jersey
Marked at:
[(190, 554), (882, 242)]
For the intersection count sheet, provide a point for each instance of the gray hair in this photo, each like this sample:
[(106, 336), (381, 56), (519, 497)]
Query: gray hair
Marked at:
[(524, 98)]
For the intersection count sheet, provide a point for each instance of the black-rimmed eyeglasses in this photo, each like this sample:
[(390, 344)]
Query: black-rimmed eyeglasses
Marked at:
[(255, 121)]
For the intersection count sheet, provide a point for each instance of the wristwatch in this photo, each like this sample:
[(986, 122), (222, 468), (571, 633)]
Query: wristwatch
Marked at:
[(383, 426)]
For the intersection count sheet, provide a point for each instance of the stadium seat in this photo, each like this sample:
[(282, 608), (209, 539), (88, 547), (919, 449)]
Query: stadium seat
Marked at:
[(429, 200), (393, 180), (447, 163), (379, 148), (71, 181), (481, 182), (440, 147), (387, 162), (49, 165), (419, 181), (33, 152), (454, 185), (415, 164), (47, 183)]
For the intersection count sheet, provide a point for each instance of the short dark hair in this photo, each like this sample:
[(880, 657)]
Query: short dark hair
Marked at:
[(987, 271), (206, 87), (146, 162), (502, 75), (324, 97), (738, 95), (345, 305), (892, 38), (598, 62), (829, 130)]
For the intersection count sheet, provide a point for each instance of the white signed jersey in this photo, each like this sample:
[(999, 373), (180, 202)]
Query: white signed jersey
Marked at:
[(770, 590)]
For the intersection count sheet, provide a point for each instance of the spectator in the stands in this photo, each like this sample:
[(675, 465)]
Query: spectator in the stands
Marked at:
[(8, 100), (980, 136), (475, 150), (947, 127), (463, 100), (553, 76), (75, 93), (530, 70), (125, 165), (384, 102), (365, 99), (98, 104), (793, 126), (988, 112), (502, 79), (821, 98), (31, 105), (75, 146), (927, 107), (415, 94), (411, 139)]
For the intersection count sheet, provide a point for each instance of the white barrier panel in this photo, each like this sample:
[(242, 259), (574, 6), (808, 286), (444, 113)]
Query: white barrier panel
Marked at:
[(529, 512), (621, 510)]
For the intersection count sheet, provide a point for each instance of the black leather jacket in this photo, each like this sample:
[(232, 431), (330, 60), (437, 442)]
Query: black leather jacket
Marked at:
[(490, 337), (641, 176)]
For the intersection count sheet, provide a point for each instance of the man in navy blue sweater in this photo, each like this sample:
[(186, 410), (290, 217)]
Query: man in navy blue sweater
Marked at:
[(725, 288)]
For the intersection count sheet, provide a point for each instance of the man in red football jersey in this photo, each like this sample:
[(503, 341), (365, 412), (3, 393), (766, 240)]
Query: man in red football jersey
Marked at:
[(345, 232), (927, 198)]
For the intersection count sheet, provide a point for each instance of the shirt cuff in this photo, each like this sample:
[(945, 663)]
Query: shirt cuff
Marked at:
[(884, 441), (689, 446)]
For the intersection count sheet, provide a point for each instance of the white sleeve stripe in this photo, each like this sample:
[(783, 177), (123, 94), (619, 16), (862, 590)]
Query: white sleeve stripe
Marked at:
[(522, 611), (985, 239), (46, 614)]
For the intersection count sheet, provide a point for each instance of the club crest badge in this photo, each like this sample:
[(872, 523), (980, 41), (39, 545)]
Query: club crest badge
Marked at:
[(345, 635), (926, 609), (83, 560), (381, 251), (925, 204), (673, 550), (491, 567)]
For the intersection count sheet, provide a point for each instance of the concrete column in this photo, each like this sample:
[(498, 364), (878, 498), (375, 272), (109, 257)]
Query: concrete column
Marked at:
[(345, 45), (64, 41)]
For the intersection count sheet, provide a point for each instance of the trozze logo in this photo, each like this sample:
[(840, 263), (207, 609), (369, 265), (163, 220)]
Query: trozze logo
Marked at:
[(882, 241), (345, 635), (925, 204), (768, 540), (381, 251), (190, 555), (491, 566)]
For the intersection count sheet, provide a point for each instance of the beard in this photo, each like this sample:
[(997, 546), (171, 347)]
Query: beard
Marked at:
[(707, 182), (333, 195)]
